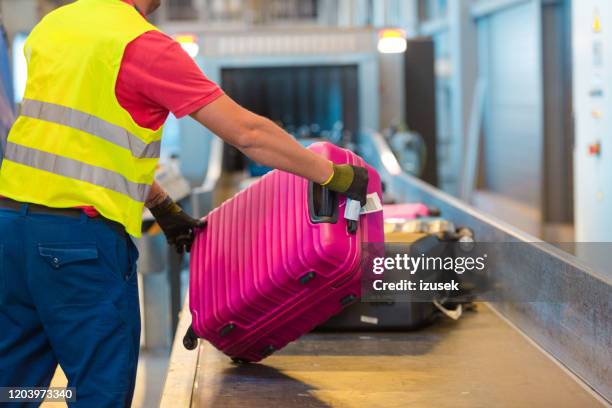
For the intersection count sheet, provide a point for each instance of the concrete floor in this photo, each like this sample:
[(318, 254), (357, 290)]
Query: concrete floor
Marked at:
[(479, 361), (152, 367)]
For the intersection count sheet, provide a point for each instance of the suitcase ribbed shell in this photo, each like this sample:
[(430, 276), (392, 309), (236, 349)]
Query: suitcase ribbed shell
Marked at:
[(263, 273)]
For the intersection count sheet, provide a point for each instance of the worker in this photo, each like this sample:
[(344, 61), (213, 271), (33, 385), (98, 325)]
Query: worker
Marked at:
[(79, 168)]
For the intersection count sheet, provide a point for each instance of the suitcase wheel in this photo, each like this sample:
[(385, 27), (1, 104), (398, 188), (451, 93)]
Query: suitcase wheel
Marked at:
[(227, 329), (267, 351), (307, 278), (190, 341), (347, 300), (240, 361)]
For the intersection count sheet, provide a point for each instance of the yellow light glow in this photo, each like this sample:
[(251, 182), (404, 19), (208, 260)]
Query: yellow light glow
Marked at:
[(392, 33), (185, 38), (189, 43), (392, 41), (597, 22)]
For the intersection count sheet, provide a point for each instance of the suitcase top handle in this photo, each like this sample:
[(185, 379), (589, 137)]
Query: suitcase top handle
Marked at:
[(323, 207), (322, 204)]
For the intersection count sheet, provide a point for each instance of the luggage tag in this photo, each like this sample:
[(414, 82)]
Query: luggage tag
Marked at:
[(354, 210), (372, 205), (351, 213)]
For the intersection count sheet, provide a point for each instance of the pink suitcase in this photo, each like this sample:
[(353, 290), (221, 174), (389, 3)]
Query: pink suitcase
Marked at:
[(408, 211), (277, 260)]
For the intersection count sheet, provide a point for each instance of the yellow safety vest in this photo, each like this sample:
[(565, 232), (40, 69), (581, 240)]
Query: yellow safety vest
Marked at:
[(73, 144)]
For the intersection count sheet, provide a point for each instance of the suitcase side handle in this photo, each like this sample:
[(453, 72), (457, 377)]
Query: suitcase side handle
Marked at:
[(322, 204)]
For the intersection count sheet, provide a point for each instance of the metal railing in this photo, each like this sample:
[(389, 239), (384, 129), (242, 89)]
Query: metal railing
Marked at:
[(248, 12), (203, 197), (577, 296), (224, 14)]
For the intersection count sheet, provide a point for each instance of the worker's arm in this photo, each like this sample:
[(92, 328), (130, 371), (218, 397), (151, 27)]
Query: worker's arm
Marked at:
[(266, 143), (262, 140), (156, 195)]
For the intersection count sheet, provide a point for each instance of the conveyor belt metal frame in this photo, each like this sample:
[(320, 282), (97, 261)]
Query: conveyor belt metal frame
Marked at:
[(577, 333)]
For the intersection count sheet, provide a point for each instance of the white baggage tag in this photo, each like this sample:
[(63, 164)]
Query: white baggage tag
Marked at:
[(373, 204), (352, 210)]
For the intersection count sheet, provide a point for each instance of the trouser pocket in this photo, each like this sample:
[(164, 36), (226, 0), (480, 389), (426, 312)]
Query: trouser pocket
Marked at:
[(59, 255), (78, 272)]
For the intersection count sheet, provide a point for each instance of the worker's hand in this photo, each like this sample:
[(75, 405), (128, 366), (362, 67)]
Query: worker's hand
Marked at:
[(351, 181), (178, 226)]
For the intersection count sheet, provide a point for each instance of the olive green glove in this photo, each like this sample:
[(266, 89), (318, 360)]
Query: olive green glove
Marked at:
[(178, 226), (351, 181)]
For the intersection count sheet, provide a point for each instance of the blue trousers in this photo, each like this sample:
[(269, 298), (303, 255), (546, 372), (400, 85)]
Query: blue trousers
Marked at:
[(68, 295)]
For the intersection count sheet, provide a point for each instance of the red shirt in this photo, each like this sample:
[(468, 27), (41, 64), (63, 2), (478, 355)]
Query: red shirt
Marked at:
[(157, 77)]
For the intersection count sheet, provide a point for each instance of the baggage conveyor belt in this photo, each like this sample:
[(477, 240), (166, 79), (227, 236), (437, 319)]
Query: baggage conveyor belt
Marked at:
[(479, 361)]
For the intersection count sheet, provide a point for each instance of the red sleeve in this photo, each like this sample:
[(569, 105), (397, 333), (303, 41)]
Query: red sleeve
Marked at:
[(157, 76)]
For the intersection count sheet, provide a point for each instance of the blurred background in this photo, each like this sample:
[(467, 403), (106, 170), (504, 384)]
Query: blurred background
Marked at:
[(502, 104), (502, 77)]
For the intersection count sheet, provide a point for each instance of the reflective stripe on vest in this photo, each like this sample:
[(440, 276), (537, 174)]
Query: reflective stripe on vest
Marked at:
[(84, 122), (75, 169), (74, 144)]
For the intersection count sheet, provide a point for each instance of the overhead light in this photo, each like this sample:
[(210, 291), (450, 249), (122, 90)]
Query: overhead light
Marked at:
[(597, 22), (392, 41), (189, 42)]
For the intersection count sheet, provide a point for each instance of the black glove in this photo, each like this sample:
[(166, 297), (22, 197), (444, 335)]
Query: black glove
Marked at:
[(351, 181), (176, 224)]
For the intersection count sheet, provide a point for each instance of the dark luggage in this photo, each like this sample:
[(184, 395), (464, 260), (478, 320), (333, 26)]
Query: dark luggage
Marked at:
[(433, 237)]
